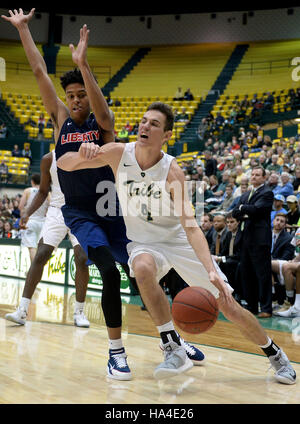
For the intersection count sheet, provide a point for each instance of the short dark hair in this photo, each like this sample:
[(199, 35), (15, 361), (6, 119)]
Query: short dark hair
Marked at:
[(72, 77), (262, 168), (210, 216), (165, 110), (36, 178)]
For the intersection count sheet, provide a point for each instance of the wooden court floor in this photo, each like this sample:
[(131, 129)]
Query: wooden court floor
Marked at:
[(50, 361)]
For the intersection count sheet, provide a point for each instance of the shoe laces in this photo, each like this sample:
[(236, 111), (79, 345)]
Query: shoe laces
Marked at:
[(120, 360), (189, 348), (81, 313)]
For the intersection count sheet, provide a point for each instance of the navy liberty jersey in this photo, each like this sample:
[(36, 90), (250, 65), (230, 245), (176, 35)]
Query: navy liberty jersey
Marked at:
[(79, 187)]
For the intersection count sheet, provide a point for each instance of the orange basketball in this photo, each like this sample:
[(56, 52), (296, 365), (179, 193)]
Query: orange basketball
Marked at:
[(195, 310)]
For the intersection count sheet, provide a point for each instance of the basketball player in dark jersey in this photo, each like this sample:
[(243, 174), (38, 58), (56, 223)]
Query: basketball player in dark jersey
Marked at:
[(103, 239)]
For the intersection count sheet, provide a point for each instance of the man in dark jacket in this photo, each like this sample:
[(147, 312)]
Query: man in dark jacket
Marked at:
[(254, 211)]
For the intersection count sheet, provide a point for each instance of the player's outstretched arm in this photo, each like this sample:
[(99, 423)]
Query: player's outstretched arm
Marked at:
[(54, 106), (97, 100)]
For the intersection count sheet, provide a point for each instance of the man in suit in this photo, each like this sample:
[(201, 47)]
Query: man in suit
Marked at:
[(206, 225), (254, 211), (218, 240), (229, 262)]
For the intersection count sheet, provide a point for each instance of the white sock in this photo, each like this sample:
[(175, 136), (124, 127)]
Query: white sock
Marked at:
[(297, 301), (79, 306), (25, 302), (290, 293), (267, 344), (115, 344), (168, 326)]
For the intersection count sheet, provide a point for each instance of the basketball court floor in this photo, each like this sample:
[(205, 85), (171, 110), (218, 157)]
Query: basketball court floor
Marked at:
[(50, 361)]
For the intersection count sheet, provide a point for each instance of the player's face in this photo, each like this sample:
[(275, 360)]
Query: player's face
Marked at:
[(152, 129), (78, 102)]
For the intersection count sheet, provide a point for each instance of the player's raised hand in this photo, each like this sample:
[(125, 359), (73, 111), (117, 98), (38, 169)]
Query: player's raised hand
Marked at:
[(79, 54), (18, 18)]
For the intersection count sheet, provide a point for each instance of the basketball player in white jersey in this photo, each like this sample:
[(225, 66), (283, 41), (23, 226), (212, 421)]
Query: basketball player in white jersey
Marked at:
[(53, 232), (31, 234), (164, 233)]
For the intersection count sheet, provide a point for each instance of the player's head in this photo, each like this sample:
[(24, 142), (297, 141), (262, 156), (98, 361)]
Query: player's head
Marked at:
[(156, 125), (35, 179), (76, 95)]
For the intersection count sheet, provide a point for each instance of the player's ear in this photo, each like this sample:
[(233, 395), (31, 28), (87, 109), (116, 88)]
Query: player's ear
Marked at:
[(168, 135)]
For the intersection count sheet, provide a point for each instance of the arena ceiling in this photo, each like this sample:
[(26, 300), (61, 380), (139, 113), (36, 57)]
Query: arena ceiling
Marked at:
[(131, 8)]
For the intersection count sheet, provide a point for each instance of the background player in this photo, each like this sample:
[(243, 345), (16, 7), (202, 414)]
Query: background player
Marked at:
[(30, 234), (165, 234), (53, 232)]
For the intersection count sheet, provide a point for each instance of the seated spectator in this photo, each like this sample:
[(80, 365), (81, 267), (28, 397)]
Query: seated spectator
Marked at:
[(26, 152), (117, 102), (269, 102), (16, 152), (218, 245), (278, 206), (7, 230), (4, 171), (109, 100), (135, 128), (228, 199), (49, 123), (206, 225), (210, 164), (123, 135), (274, 166), (296, 181), (15, 211), (188, 95), (281, 239), (293, 214), (219, 119), (286, 187), (41, 124), (179, 94), (3, 130), (183, 116), (31, 122), (128, 127)]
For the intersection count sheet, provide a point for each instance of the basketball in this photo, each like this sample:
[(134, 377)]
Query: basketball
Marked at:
[(195, 310)]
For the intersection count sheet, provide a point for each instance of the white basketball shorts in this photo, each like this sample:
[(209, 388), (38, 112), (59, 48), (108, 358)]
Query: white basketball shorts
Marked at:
[(182, 258), (55, 230), (31, 235)]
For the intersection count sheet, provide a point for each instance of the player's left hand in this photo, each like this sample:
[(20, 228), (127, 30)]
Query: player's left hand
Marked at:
[(79, 54)]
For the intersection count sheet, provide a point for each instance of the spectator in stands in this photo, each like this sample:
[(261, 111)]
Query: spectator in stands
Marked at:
[(206, 224), (293, 213), (41, 124), (210, 163), (179, 94), (15, 209), (227, 200), (117, 102), (278, 203), (128, 127), (3, 171), (183, 116), (26, 152), (269, 102), (123, 135), (109, 100), (3, 130), (296, 181), (188, 95), (16, 152), (202, 129), (281, 239), (31, 121), (219, 237), (219, 119), (135, 128), (274, 166), (246, 159), (286, 187), (49, 123), (243, 188), (7, 229)]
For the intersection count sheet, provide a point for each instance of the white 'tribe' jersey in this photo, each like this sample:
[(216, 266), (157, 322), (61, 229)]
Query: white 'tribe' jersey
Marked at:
[(57, 197), (147, 207), (40, 213)]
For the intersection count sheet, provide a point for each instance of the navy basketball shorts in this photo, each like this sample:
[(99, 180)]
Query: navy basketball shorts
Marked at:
[(92, 230)]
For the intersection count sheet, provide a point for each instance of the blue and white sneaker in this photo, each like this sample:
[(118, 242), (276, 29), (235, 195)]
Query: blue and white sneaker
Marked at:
[(117, 367), (193, 353)]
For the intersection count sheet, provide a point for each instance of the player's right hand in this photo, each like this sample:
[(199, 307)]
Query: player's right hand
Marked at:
[(23, 222), (89, 151), (18, 18)]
